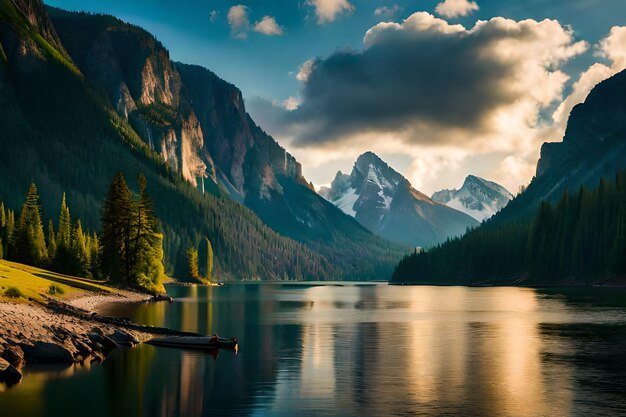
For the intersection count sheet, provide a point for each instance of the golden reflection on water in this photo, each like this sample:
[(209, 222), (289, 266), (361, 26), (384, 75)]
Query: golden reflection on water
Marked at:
[(348, 350)]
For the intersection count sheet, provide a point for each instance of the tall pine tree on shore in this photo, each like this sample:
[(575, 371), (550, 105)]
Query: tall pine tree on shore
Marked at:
[(148, 244), (192, 262), (132, 244), (117, 214), (30, 242)]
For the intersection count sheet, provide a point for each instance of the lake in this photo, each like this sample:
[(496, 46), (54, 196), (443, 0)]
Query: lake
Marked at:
[(356, 350)]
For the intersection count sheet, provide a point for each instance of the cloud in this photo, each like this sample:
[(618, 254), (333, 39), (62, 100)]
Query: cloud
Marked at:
[(388, 12), (292, 103), (239, 21), (213, 16), (612, 48), (305, 70), (434, 89), (328, 10), (456, 8), (268, 26)]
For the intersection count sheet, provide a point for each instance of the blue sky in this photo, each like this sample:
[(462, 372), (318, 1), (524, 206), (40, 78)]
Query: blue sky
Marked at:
[(266, 66)]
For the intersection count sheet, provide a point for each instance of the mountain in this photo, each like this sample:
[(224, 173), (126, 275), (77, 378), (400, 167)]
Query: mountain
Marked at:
[(477, 197), (97, 95), (593, 147), (384, 202), (566, 228)]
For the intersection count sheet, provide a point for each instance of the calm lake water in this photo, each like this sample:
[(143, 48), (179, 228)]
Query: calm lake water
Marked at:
[(356, 350)]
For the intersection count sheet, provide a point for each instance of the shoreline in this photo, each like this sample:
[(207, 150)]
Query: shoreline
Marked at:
[(67, 331)]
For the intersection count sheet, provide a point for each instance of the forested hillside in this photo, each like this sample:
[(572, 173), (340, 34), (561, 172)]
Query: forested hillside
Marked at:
[(61, 133), (579, 241)]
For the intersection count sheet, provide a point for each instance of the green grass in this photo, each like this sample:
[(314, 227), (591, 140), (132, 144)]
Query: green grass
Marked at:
[(54, 289), (34, 283), (13, 292)]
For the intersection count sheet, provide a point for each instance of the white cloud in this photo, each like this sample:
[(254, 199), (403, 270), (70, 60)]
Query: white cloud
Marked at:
[(328, 10), (239, 21), (456, 8), (444, 94), (213, 15), (291, 103), (388, 12), (613, 48), (304, 71), (268, 26)]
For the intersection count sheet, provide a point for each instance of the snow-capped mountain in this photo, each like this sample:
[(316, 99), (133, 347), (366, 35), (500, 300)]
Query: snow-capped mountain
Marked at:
[(384, 202), (477, 197)]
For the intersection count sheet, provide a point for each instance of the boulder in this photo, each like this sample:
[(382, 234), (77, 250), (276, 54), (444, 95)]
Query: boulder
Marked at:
[(161, 297), (8, 373), (106, 342), (14, 355), (83, 348), (124, 339), (45, 352), (97, 356)]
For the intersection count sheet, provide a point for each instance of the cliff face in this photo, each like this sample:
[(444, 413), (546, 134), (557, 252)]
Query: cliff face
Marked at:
[(194, 119), (594, 146), (120, 104), (136, 72), (237, 144)]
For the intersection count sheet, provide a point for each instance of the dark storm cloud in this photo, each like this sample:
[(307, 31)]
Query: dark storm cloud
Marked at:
[(421, 77)]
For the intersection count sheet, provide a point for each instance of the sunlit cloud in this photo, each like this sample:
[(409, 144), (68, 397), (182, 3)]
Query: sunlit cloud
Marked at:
[(388, 12), (328, 10), (456, 8), (305, 70), (456, 100), (239, 21), (268, 26)]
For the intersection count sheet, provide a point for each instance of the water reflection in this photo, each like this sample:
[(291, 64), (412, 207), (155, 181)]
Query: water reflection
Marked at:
[(356, 350)]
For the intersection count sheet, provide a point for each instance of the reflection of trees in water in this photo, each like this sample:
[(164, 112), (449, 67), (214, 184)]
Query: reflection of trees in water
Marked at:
[(149, 381)]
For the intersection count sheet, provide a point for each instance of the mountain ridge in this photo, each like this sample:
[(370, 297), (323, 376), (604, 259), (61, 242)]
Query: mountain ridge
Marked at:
[(477, 197), (135, 115), (384, 202)]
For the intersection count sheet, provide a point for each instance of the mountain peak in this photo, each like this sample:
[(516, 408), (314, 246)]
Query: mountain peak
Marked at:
[(384, 202), (477, 197)]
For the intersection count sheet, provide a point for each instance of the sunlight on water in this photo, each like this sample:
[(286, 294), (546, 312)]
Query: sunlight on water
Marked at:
[(355, 350)]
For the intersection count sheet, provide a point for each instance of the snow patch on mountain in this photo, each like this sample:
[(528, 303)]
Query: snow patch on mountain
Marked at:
[(384, 202), (346, 201), (478, 197)]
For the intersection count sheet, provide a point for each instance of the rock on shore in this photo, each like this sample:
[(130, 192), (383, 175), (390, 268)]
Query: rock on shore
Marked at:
[(33, 333)]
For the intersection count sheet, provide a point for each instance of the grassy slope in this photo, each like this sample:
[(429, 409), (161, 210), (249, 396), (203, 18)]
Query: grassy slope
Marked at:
[(34, 282)]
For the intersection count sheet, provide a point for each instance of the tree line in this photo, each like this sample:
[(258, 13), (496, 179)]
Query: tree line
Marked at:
[(581, 240), (128, 251)]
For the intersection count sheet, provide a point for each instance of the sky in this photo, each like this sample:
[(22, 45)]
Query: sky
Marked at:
[(439, 89)]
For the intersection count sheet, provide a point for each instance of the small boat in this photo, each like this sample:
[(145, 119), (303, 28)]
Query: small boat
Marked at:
[(195, 342)]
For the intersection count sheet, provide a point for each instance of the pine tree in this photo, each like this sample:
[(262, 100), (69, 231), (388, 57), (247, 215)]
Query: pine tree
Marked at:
[(78, 251), (209, 260), (117, 217), (192, 262), (9, 234), (30, 242), (52, 243), (148, 245), (94, 256), (65, 225), (63, 260)]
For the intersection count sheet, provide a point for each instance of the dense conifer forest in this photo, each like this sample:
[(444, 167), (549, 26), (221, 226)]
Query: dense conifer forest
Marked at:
[(581, 240)]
